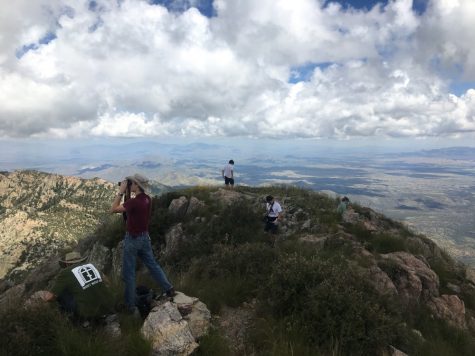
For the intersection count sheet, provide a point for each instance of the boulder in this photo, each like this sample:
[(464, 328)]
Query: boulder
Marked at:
[(413, 278), (194, 205), (381, 281), (168, 332), (117, 254), (42, 276), (226, 196), (350, 216), (395, 352), (173, 237), (178, 206), (449, 308), (199, 320), (12, 296), (100, 256), (195, 313), (112, 327)]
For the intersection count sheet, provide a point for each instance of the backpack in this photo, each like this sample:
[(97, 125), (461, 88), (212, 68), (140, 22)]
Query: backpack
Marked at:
[(143, 300)]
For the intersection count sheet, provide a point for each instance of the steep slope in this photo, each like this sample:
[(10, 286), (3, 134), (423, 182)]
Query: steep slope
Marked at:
[(42, 213)]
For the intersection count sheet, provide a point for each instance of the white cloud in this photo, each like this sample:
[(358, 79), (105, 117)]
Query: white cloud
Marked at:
[(130, 68)]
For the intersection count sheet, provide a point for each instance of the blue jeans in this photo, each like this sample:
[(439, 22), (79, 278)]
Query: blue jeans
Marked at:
[(140, 246)]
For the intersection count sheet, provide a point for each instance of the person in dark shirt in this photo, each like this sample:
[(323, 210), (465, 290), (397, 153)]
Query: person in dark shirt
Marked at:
[(80, 289), (137, 240)]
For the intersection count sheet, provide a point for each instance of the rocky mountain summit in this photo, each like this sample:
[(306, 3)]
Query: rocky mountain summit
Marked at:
[(355, 283), (43, 213)]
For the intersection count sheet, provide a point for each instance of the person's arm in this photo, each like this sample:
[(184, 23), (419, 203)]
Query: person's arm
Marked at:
[(232, 173), (279, 214), (222, 172), (41, 296), (48, 296), (117, 207)]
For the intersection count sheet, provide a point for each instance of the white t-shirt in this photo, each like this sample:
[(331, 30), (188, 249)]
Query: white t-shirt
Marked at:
[(228, 170), (275, 210)]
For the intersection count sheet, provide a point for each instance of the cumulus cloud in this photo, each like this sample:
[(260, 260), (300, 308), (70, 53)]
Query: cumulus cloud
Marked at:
[(134, 68)]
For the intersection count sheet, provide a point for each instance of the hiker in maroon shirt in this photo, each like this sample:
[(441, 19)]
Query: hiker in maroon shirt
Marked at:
[(137, 240)]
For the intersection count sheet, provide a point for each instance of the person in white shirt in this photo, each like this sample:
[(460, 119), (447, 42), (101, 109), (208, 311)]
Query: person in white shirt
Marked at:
[(228, 174), (273, 215)]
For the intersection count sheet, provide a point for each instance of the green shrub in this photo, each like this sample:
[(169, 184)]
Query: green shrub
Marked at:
[(237, 224), (213, 344), (359, 231), (440, 338), (228, 276), (385, 243), (277, 337), (30, 332), (43, 330), (111, 230), (468, 296), (445, 268), (332, 304)]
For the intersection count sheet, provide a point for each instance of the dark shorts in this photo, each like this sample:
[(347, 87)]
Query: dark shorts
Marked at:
[(270, 226), (228, 181)]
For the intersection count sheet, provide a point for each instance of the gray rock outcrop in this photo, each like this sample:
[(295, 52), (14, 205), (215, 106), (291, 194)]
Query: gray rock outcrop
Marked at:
[(100, 256), (178, 206), (173, 237), (449, 308), (381, 281), (226, 196), (168, 332), (195, 313), (413, 278), (117, 254), (194, 205)]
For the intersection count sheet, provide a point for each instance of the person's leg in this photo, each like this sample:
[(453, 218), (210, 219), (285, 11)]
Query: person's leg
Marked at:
[(270, 224), (231, 181), (146, 255), (267, 225), (128, 270)]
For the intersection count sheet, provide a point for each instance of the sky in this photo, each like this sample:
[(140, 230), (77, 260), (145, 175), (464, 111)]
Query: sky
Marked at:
[(270, 69)]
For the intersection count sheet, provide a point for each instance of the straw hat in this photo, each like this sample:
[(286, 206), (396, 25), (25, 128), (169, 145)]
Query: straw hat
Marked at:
[(141, 181), (73, 257)]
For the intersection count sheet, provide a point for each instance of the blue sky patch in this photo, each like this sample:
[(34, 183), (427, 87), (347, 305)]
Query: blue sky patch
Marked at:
[(47, 38), (358, 4), (204, 6), (418, 6), (460, 88), (34, 46), (304, 72)]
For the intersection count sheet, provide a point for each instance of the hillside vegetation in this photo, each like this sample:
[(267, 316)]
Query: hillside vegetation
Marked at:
[(356, 284), (43, 213)]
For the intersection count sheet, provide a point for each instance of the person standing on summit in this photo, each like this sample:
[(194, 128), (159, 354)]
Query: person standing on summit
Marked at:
[(228, 174), (137, 240)]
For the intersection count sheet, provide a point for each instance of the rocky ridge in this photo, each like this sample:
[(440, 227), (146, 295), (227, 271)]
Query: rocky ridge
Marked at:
[(43, 213)]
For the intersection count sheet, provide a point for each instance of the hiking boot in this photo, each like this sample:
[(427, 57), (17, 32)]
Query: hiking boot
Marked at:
[(170, 293)]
